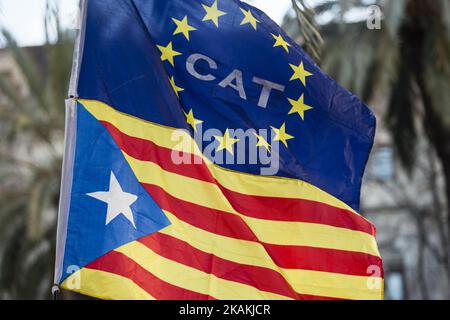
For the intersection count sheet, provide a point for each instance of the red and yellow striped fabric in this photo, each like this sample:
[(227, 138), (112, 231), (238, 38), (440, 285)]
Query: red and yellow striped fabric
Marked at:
[(233, 235)]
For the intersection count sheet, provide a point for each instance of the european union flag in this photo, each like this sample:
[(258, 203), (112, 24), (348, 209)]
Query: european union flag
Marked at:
[(236, 69), (201, 135)]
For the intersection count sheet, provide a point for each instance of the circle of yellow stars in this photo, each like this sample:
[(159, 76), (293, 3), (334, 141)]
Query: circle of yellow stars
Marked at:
[(213, 15)]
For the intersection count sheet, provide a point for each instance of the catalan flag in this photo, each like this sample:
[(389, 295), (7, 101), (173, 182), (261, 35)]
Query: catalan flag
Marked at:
[(208, 157)]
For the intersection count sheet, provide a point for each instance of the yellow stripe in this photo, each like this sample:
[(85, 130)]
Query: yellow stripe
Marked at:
[(192, 279), (245, 183), (252, 253), (274, 232), (240, 251), (104, 285)]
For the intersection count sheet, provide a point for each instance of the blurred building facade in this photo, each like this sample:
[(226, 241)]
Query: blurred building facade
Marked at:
[(407, 207), (403, 206)]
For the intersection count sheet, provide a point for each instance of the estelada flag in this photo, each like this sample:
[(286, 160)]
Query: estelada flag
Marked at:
[(208, 157)]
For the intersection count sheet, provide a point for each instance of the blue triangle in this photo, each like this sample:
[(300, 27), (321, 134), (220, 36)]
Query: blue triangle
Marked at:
[(88, 235)]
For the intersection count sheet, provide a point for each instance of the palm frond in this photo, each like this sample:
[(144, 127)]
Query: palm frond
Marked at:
[(312, 39)]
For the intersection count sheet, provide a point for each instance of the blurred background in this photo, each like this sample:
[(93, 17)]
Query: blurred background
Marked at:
[(394, 54)]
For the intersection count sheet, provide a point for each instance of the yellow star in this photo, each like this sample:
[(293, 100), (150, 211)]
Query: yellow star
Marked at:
[(262, 142), (299, 106), (226, 142), (183, 27), (167, 53), (190, 119), (281, 135), (175, 87), (280, 42), (300, 73), (213, 13), (249, 18)]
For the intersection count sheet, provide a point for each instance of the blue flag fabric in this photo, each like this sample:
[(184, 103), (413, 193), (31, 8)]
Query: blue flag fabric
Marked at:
[(238, 70), (93, 229)]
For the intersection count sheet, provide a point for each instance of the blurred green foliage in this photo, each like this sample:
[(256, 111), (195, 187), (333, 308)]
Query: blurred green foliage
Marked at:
[(32, 131)]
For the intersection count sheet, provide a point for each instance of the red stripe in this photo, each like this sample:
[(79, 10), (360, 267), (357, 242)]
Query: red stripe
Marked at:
[(261, 278), (296, 210), (270, 208), (180, 251), (118, 263), (290, 257)]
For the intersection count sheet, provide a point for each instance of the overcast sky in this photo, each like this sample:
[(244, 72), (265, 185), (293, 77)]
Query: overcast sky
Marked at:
[(24, 18)]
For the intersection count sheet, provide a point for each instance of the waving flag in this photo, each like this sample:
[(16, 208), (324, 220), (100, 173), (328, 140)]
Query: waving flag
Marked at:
[(208, 157)]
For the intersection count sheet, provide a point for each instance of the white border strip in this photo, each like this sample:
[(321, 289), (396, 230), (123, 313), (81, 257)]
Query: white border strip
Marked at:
[(78, 51), (66, 186), (69, 148)]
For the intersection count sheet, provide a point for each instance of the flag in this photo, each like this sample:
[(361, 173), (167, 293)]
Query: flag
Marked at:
[(208, 157)]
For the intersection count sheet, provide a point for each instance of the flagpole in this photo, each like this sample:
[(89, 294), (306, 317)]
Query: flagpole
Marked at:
[(69, 142), (78, 50), (55, 292)]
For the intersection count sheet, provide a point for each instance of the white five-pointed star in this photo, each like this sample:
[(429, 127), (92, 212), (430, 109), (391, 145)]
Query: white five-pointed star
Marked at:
[(118, 201)]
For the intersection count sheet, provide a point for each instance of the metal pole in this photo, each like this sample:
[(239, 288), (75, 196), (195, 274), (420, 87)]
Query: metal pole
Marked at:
[(55, 292)]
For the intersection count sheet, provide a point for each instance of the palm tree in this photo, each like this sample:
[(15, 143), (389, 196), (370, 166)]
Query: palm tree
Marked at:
[(32, 129), (407, 64)]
